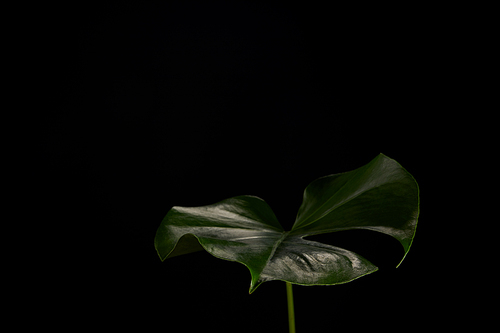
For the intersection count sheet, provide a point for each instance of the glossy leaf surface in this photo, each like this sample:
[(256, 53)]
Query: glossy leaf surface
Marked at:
[(380, 196)]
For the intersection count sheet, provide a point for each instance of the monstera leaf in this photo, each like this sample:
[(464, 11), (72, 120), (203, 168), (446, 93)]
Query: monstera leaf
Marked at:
[(380, 196)]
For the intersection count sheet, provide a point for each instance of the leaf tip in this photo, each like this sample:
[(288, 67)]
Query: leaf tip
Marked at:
[(252, 288), (254, 284)]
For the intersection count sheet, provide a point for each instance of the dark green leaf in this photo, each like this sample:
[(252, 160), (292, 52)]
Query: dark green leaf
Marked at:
[(380, 196)]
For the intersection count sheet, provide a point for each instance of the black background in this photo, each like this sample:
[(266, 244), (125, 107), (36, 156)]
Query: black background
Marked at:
[(156, 105)]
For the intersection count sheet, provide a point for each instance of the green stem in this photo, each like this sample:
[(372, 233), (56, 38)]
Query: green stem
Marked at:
[(291, 313)]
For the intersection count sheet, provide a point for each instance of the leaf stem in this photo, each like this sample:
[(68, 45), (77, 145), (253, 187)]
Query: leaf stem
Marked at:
[(291, 312)]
